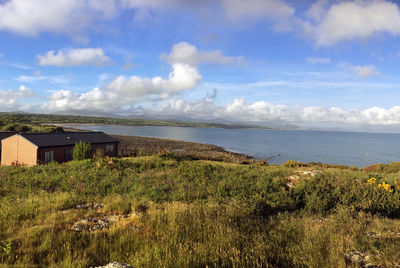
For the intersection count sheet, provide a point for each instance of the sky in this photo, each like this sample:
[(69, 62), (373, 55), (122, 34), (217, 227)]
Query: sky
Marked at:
[(318, 64)]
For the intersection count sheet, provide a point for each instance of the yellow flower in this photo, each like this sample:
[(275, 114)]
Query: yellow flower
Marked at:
[(371, 181), (385, 186)]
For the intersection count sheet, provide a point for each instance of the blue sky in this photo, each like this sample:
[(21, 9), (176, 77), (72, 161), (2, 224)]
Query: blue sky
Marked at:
[(271, 62)]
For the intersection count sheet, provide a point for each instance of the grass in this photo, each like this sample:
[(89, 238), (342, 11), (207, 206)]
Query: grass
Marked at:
[(196, 214)]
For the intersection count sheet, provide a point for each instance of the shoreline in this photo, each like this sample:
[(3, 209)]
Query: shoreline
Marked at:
[(142, 145), (155, 125)]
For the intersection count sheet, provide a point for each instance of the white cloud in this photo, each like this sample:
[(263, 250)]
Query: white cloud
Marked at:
[(236, 10), (262, 112), (346, 21), (9, 99), (366, 71), (74, 57), (314, 60), (124, 90), (317, 10), (186, 53), (28, 17), (127, 91), (157, 4), (40, 78)]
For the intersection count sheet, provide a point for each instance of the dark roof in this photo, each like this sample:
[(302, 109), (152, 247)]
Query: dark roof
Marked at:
[(4, 135), (67, 138)]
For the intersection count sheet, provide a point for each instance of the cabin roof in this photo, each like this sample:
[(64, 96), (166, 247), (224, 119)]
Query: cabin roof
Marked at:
[(6, 134), (67, 138)]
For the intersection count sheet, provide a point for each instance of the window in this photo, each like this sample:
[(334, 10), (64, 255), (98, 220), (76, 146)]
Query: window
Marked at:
[(68, 154), (48, 156), (110, 148)]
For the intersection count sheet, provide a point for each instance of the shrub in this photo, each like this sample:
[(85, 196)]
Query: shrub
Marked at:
[(22, 128), (99, 153), (291, 163), (82, 151)]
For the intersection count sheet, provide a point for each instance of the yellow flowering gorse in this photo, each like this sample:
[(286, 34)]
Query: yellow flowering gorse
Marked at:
[(383, 185)]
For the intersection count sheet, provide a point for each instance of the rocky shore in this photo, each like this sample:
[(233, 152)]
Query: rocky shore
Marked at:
[(134, 146)]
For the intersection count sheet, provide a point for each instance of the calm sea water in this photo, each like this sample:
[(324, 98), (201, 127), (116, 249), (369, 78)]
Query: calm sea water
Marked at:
[(332, 147)]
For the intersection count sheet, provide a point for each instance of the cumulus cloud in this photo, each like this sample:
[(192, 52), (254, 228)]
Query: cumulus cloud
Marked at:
[(126, 91), (186, 53), (262, 112), (314, 60), (28, 17), (10, 99), (352, 20), (366, 71), (256, 9), (74, 57)]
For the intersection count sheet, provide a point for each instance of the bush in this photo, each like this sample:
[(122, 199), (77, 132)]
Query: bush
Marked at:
[(22, 128), (291, 163), (99, 153), (82, 151)]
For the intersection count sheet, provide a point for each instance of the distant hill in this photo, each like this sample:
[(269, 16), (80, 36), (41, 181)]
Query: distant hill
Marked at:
[(6, 118)]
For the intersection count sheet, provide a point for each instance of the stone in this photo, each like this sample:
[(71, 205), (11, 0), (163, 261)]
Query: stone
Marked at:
[(91, 224), (115, 265), (373, 234), (92, 206), (359, 258), (295, 178), (97, 224)]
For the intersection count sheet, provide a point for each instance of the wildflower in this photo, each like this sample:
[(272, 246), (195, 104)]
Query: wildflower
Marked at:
[(385, 186), (371, 181)]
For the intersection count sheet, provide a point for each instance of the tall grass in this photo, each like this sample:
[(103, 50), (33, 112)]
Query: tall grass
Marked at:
[(194, 214)]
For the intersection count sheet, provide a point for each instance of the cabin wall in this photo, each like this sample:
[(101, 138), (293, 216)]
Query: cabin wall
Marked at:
[(59, 153), (18, 149)]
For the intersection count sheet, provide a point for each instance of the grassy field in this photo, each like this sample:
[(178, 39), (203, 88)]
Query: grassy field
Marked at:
[(198, 213)]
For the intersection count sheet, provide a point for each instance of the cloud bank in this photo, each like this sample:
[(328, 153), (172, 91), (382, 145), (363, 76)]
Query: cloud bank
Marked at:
[(10, 99), (123, 91), (74, 57), (262, 112)]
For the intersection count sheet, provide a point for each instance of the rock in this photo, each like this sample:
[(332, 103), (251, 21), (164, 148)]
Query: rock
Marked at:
[(93, 206), (373, 234), (96, 224), (359, 258), (295, 178), (321, 220), (115, 265), (91, 224)]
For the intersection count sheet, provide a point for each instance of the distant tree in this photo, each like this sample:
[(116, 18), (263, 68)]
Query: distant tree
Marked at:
[(22, 128), (10, 127), (57, 130), (82, 151)]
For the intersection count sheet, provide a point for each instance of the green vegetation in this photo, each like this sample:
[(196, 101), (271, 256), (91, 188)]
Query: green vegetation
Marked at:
[(29, 128), (197, 214), (76, 119), (82, 151)]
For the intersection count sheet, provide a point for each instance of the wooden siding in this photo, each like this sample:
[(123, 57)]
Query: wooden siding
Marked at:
[(17, 148)]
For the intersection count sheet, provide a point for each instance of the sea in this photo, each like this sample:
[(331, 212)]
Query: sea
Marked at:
[(277, 146)]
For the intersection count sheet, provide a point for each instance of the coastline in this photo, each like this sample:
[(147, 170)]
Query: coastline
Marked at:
[(139, 145)]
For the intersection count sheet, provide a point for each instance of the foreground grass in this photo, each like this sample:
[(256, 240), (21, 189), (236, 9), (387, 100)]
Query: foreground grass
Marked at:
[(196, 214)]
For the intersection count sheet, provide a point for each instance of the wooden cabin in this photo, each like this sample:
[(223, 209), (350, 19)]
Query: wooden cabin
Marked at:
[(4, 135), (39, 148)]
